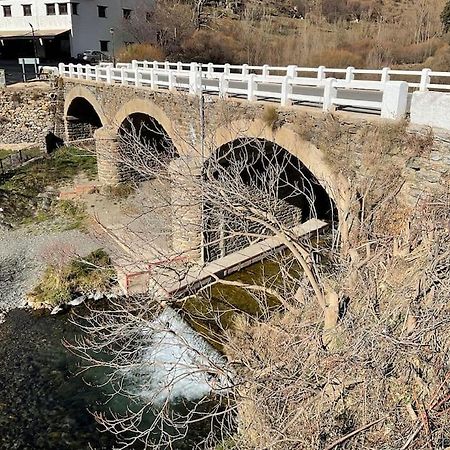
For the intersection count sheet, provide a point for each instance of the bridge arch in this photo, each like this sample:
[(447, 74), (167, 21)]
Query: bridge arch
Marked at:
[(312, 158), (82, 114)]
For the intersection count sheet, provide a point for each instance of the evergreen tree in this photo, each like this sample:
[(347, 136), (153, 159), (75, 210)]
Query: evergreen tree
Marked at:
[(445, 16)]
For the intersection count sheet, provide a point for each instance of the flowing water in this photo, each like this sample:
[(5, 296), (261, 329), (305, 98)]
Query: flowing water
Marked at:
[(44, 405)]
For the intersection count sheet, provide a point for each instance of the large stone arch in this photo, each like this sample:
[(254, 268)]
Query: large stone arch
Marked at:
[(80, 91), (335, 184), (145, 106)]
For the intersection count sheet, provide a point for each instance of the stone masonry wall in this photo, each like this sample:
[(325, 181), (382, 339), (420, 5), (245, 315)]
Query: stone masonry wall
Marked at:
[(27, 114), (371, 154)]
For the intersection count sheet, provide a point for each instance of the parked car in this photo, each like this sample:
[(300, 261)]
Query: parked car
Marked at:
[(93, 56)]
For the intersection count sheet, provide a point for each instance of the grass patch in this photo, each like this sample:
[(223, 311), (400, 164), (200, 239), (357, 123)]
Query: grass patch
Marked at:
[(60, 284), (4, 153), (120, 191), (19, 190)]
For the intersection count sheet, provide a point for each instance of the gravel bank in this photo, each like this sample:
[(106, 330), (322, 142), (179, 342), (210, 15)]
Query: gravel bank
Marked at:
[(23, 257)]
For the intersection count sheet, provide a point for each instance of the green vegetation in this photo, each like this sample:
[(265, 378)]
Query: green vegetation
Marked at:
[(60, 284), (217, 309), (28, 194), (4, 153)]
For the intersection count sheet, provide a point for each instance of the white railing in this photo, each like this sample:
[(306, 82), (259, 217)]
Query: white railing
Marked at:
[(289, 85)]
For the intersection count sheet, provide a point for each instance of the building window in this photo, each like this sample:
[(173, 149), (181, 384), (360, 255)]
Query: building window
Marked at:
[(74, 8), (7, 10), (63, 9), (104, 46), (26, 10), (51, 10), (126, 13), (101, 11)]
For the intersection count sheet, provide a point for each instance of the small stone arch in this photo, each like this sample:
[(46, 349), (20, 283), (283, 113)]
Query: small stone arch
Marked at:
[(82, 114), (335, 184), (82, 92)]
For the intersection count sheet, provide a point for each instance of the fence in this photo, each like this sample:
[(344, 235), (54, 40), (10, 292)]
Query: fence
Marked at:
[(386, 92), (18, 158)]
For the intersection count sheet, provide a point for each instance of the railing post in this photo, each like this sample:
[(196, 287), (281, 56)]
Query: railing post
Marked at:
[(134, 64), (97, 73), (385, 76), (329, 94), (226, 69), (245, 70), (223, 86), (61, 69), (123, 76), (321, 74), (171, 80), (155, 65), (251, 89), (137, 81), (286, 91), (79, 71), (349, 74), (166, 65), (265, 70), (395, 99), (425, 80), (210, 70), (291, 71), (179, 66), (70, 70), (153, 79), (109, 75), (193, 79)]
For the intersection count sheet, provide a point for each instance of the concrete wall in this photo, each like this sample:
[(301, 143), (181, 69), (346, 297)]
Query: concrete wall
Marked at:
[(431, 109)]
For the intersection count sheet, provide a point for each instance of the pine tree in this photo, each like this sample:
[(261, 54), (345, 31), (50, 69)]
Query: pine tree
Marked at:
[(445, 17)]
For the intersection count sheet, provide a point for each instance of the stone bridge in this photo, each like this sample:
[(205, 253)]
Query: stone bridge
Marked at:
[(349, 154)]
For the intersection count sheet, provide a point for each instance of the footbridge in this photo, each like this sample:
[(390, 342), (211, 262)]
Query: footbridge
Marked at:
[(326, 120)]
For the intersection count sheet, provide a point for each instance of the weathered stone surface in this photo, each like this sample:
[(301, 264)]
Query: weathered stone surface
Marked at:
[(27, 114)]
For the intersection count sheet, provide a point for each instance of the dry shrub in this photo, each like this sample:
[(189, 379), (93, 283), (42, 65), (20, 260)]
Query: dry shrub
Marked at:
[(270, 116), (207, 46), (440, 61), (149, 52), (415, 53), (337, 58), (387, 368)]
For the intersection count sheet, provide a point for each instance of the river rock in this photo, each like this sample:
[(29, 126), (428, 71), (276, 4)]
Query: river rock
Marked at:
[(77, 301), (57, 310)]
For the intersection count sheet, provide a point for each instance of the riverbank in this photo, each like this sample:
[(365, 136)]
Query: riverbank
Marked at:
[(24, 256)]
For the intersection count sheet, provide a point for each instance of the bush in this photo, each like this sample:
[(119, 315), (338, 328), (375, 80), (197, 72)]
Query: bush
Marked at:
[(210, 46), (60, 283), (337, 58), (149, 52)]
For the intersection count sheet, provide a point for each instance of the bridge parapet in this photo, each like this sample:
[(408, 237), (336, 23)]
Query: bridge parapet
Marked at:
[(387, 97)]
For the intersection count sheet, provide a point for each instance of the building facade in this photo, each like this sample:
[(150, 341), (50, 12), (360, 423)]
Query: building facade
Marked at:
[(59, 30)]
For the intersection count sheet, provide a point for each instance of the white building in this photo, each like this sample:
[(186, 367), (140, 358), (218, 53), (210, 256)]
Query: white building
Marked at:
[(62, 28)]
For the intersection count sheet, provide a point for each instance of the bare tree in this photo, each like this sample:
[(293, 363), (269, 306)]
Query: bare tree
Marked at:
[(245, 192), (347, 353)]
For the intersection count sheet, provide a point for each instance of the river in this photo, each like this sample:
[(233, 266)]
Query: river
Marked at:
[(44, 404)]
